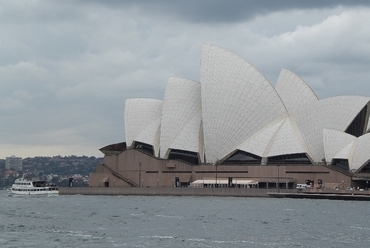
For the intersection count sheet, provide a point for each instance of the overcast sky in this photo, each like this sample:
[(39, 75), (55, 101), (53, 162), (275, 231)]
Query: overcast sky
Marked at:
[(66, 67)]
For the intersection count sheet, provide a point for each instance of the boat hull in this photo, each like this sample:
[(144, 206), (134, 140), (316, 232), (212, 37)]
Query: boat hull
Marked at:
[(36, 193), (27, 187)]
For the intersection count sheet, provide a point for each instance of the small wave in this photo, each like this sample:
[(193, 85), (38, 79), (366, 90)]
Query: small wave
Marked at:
[(195, 239), (101, 228), (136, 214), (360, 227), (245, 242), (120, 245), (158, 237), (170, 216)]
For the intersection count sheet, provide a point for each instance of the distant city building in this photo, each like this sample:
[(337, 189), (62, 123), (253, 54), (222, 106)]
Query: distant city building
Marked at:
[(14, 163)]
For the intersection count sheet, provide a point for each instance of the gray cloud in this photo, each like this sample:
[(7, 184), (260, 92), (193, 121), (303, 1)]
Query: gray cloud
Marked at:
[(67, 67), (210, 11)]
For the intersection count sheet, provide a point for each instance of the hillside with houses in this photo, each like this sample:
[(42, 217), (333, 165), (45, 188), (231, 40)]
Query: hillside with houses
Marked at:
[(56, 169)]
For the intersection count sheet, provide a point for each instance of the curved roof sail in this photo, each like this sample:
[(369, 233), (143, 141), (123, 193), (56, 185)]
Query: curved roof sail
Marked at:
[(181, 117), (294, 92), (332, 113), (237, 100), (334, 142), (142, 121), (360, 156)]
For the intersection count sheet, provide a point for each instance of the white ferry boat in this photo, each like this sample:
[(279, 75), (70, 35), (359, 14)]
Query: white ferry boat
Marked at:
[(23, 186)]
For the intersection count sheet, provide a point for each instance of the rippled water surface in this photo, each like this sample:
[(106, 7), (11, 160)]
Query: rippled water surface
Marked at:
[(152, 221)]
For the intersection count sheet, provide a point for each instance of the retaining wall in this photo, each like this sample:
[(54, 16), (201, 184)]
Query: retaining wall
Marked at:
[(169, 191)]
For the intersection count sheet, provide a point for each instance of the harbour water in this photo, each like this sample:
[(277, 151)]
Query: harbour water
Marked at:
[(166, 221)]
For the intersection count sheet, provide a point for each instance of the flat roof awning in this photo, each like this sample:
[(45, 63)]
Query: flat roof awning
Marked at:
[(210, 181), (244, 182), (360, 179), (225, 181)]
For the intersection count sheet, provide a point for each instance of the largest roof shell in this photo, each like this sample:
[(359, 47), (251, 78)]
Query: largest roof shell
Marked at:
[(237, 100)]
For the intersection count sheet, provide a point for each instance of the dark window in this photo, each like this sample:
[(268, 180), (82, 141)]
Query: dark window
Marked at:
[(186, 156), (144, 147), (341, 164), (242, 157), (299, 158), (357, 127)]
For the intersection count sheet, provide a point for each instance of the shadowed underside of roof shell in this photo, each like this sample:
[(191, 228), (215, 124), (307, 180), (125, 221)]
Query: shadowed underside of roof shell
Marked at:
[(236, 108)]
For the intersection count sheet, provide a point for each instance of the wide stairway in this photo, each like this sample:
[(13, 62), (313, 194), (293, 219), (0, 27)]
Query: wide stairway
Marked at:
[(126, 180)]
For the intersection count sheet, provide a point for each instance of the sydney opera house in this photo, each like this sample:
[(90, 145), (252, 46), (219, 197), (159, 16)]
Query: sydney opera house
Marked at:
[(234, 129)]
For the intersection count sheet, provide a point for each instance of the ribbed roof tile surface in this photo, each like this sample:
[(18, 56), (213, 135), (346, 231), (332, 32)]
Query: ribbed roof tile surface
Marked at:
[(181, 116), (237, 100), (142, 121)]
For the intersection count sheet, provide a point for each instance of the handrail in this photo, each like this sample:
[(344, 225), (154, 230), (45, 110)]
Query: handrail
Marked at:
[(116, 174)]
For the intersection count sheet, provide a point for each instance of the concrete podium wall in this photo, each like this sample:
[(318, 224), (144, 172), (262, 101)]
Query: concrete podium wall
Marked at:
[(169, 191)]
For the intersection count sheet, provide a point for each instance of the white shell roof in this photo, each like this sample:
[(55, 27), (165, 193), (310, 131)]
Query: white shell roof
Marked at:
[(336, 142), (237, 100), (346, 152), (287, 140), (258, 143), (277, 138), (332, 113), (235, 107), (360, 156), (356, 150), (294, 92), (142, 121), (181, 116)]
